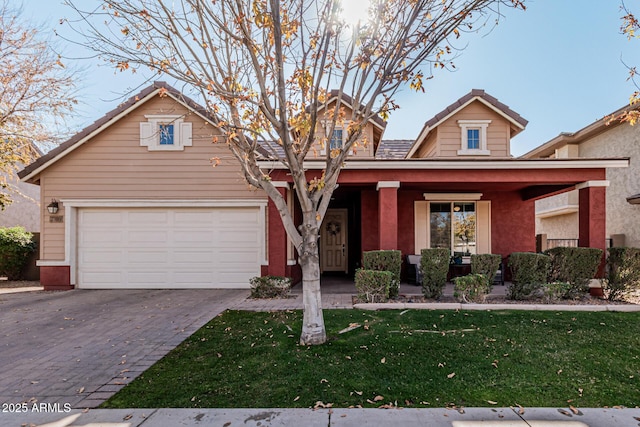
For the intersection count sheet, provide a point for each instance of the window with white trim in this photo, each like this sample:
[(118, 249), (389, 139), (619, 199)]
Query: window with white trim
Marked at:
[(165, 133), (336, 139), (473, 140), (452, 225)]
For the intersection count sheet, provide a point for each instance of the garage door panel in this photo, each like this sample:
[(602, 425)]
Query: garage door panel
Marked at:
[(104, 256), (150, 248), (148, 257), (147, 236), (194, 257), (146, 217), (188, 219), (193, 236)]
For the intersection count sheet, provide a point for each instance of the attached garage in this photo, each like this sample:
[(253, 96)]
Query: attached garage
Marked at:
[(168, 247)]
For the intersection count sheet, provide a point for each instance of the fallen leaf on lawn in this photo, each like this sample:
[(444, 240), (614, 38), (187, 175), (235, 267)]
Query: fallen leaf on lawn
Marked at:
[(348, 357), (559, 371), (378, 398), (351, 327), (403, 312), (569, 331), (219, 355), (491, 402), (383, 360), (495, 364), (324, 380), (296, 399), (359, 393), (574, 409), (440, 365), (580, 391), (451, 375)]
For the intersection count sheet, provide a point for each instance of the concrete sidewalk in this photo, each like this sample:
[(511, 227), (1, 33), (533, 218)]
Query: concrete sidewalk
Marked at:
[(467, 417)]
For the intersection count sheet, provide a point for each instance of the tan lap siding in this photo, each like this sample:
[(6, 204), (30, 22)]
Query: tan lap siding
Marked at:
[(113, 165)]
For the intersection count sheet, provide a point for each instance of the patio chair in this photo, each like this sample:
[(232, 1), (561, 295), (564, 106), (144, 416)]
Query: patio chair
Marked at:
[(414, 275)]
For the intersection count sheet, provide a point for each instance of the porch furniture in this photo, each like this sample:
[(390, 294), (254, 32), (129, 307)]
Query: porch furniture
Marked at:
[(414, 275)]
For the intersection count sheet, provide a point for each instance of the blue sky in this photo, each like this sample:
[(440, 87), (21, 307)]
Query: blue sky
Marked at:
[(559, 65)]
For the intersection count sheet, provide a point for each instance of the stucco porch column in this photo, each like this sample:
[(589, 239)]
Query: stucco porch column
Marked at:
[(388, 213), (277, 237), (592, 216)]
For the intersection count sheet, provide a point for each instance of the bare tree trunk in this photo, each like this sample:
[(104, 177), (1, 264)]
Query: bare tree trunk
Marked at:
[(313, 331)]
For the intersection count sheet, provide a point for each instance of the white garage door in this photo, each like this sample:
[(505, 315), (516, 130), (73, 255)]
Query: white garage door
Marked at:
[(173, 248)]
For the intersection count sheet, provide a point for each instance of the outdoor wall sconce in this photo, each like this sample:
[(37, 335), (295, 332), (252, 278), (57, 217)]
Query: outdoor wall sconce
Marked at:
[(53, 206)]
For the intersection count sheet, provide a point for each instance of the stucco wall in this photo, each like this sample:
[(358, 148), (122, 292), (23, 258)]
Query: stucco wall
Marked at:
[(622, 217), (620, 141), (25, 210)]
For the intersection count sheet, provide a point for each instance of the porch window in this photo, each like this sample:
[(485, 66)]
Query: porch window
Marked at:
[(452, 225)]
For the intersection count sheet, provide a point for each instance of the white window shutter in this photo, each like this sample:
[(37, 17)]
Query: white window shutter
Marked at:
[(483, 227), (185, 134), (146, 134), (421, 225)]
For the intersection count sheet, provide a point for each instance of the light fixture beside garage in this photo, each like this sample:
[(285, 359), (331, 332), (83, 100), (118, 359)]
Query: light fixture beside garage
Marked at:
[(53, 206)]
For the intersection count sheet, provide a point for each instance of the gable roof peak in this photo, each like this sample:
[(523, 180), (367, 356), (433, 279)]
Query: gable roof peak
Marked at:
[(518, 123)]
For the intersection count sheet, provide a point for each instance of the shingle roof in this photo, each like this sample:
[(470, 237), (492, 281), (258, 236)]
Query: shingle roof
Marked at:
[(484, 96), (393, 148)]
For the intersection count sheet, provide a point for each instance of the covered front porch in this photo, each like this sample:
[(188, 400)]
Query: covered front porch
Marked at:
[(411, 205)]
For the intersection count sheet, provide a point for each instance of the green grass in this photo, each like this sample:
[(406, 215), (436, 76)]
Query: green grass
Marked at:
[(246, 359)]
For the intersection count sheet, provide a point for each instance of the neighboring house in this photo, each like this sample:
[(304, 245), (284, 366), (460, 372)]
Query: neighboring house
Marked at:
[(24, 210), (557, 217), (141, 206)]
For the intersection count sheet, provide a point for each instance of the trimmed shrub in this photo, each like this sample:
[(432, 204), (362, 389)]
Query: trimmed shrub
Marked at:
[(270, 287), (623, 272), (472, 288), (385, 261), (529, 272), (15, 247), (434, 264), (576, 266), (554, 291), (372, 285), (487, 264)]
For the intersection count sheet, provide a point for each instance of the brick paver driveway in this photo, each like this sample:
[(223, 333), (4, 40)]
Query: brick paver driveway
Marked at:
[(80, 347)]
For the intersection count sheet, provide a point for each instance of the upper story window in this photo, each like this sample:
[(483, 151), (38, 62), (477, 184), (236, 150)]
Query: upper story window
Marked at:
[(165, 133), (336, 139), (474, 138)]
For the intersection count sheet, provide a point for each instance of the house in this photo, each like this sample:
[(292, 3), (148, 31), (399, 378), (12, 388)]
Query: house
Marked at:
[(141, 206), (24, 210), (557, 217)]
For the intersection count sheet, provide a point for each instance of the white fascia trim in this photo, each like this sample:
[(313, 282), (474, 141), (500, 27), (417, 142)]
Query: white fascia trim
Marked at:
[(560, 210), (459, 164), (280, 184), (135, 203), (387, 184), (78, 144), (292, 262), (587, 184), (457, 197)]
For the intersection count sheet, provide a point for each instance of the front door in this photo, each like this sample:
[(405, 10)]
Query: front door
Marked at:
[(333, 241)]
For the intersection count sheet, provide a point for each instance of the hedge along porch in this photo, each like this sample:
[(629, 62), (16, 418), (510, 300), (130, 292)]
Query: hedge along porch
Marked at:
[(392, 204)]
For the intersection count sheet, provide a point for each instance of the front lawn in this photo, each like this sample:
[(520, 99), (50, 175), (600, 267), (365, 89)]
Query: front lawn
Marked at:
[(413, 358)]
